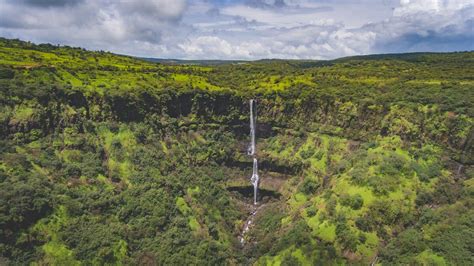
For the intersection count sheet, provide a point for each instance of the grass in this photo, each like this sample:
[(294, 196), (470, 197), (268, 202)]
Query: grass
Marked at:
[(297, 200), (194, 224), (22, 114), (428, 257), (194, 81), (58, 254), (300, 256), (118, 162), (280, 83), (344, 186), (369, 249), (326, 231)]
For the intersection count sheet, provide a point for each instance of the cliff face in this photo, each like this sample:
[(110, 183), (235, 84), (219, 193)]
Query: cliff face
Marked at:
[(356, 119), (109, 159)]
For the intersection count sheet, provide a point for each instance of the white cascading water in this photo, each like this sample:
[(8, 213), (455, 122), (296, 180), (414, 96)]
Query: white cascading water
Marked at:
[(251, 151), (254, 179), (253, 120)]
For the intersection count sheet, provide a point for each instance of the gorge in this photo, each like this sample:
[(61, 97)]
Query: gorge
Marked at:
[(109, 159)]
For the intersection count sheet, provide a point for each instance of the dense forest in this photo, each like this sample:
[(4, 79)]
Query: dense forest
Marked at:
[(114, 160)]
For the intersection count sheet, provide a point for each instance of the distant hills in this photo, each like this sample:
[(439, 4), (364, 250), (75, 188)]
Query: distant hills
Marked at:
[(300, 62), (192, 62)]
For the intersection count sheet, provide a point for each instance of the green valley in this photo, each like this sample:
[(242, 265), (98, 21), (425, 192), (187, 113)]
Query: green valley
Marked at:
[(108, 159)]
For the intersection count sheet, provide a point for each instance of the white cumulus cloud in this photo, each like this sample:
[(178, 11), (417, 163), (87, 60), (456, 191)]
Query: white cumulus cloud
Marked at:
[(244, 29)]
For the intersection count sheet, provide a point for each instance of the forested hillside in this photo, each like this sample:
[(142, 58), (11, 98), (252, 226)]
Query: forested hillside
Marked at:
[(109, 159)]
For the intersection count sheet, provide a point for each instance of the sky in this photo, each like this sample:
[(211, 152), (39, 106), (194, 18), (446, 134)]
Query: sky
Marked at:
[(244, 29)]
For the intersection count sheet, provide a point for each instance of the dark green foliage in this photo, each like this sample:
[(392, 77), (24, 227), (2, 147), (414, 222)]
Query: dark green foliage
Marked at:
[(6, 73), (25, 198), (409, 243), (265, 228), (298, 235), (289, 260), (305, 154), (456, 240), (309, 186), (355, 202), (345, 236), (452, 240), (92, 239), (447, 190)]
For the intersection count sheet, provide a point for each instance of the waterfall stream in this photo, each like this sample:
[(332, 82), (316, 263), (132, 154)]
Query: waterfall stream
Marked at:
[(254, 179), (253, 121), (252, 151)]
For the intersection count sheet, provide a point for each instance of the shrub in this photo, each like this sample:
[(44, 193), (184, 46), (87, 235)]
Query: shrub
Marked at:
[(309, 186), (355, 202)]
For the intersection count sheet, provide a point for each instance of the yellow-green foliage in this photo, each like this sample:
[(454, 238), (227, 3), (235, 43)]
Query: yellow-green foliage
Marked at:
[(22, 114), (325, 231), (368, 249), (69, 155), (182, 206), (118, 147), (120, 251), (194, 224), (428, 257), (297, 200), (186, 211), (194, 81), (279, 83), (106, 182), (323, 154), (56, 252)]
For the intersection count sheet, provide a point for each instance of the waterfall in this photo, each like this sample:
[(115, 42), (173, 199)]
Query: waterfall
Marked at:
[(253, 121), (254, 179), (251, 151), (458, 172)]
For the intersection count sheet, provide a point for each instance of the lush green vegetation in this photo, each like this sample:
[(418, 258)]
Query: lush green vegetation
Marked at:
[(108, 159)]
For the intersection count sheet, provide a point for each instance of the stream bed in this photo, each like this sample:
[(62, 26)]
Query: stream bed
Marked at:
[(254, 209)]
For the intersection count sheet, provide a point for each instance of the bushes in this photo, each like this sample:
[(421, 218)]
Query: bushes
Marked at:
[(382, 212), (308, 152), (404, 247), (450, 239), (309, 186), (92, 240), (24, 199), (345, 236), (447, 191), (455, 239), (6, 73), (355, 202)]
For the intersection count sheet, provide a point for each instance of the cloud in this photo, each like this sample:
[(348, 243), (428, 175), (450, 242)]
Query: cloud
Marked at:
[(266, 3), (100, 24), (303, 30), (281, 17), (433, 6), (432, 25), (162, 9), (47, 3), (207, 45), (242, 29)]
